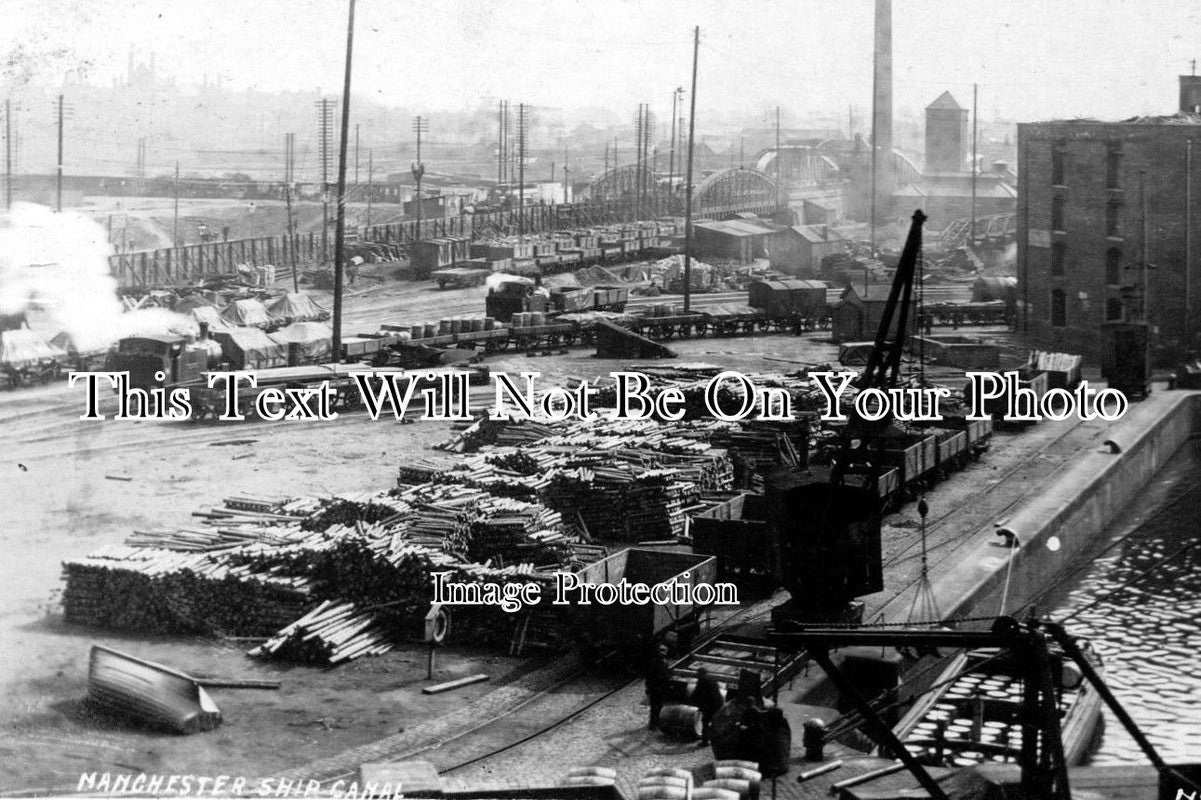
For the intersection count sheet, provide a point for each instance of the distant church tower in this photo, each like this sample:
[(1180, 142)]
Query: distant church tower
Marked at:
[(946, 135)]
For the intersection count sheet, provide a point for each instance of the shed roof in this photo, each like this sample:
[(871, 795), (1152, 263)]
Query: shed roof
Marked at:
[(791, 284), (813, 233), (735, 227)]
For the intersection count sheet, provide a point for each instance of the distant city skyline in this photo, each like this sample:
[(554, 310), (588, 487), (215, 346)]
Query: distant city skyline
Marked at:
[(1033, 60)]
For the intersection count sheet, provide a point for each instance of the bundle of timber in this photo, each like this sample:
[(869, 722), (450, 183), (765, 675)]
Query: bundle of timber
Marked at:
[(1063, 369), (331, 633), (512, 531), (417, 471), (366, 508), (165, 591), (212, 539), (619, 503)]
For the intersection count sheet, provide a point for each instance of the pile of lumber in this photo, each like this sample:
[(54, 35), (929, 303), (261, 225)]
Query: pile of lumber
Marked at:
[(333, 632), (172, 592)]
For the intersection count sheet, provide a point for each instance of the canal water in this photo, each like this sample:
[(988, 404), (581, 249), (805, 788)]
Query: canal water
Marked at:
[(1139, 602)]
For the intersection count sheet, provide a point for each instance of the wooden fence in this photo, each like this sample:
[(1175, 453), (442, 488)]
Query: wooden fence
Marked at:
[(175, 266)]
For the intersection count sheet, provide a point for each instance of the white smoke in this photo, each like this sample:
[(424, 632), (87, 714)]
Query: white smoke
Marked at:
[(58, 264), (497, 279)]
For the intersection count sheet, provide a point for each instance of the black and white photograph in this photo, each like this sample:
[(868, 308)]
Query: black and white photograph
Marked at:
[(600, 399)]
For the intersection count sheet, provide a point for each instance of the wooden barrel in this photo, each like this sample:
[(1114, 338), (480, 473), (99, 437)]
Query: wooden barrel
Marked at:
[(662, 781), (669, 772), (681, 722), (735, 762), (742, 787), (658, 792), (737, 773), (602, 772), (713, 793)]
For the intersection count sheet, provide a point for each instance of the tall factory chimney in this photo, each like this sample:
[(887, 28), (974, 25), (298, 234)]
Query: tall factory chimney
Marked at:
[(882, 98)]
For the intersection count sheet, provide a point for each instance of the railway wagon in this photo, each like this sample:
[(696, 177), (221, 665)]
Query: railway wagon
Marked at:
[(1028, 378), (736, 532), (620, 625), (428, 255), (458, 277), (731, 659), (789, 297), (915, 456)]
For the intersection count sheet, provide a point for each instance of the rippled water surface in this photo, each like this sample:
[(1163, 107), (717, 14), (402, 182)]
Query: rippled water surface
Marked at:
[(1140, 604)]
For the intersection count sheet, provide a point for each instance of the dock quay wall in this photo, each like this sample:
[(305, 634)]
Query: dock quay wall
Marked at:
[(1064, 520)]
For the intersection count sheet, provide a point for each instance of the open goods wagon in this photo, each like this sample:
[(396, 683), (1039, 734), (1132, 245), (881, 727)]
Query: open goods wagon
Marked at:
[(736, 532), (731, 659), (623, 625)]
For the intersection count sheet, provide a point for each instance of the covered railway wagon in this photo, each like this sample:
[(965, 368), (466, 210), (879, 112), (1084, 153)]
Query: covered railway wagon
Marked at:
[(625, 625), (789, 297)]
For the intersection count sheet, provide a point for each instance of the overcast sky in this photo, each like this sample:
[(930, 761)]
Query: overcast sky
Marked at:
[(1033, 59)]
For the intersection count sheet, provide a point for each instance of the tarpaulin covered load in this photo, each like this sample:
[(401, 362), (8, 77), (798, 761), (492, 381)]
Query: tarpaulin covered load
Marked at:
[(250, 348), (315, 340), (23, 348), (65, 342), (297, 307), (210, 316), (670, 270), (194, 300), (247, 313)]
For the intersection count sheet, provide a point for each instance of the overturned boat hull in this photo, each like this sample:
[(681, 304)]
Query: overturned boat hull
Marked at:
[(157, 695)]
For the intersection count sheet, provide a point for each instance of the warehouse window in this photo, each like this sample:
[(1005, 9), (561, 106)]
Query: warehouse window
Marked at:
[(1113, 266), (1113, 168), (1057, 205), (1058, 257), (1058, 157), (1059, 308), (1113, 309), (1113, 211)]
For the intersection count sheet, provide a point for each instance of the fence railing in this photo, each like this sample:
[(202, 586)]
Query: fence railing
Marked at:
[(188, 263)]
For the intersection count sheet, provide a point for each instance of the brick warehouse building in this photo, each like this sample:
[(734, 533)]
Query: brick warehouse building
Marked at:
[(1080, 223)]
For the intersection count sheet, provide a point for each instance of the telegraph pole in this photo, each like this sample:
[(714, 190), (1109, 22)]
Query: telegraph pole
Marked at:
[(175, 215), (339, 233), (638, 165), (521, 134), (420, 125), (8, 154), (289, 162), (975, 167), (671, 159), (1188, 245), (500, 142), (1142, 200), (325, 123), (370, 177), (779, 156), (356, 154), (565, 169), (696, 46), (58, 203)]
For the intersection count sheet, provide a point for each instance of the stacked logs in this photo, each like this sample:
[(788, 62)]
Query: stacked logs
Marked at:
[(333, 632), (163, 591)]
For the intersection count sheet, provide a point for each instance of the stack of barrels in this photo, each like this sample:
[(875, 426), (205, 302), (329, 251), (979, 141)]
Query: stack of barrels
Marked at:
[(732, 780), (666, 784), (591, 776)]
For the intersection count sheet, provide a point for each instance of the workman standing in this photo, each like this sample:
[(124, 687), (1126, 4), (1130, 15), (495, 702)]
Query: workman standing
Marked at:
[(658, 682), (706, 697)]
